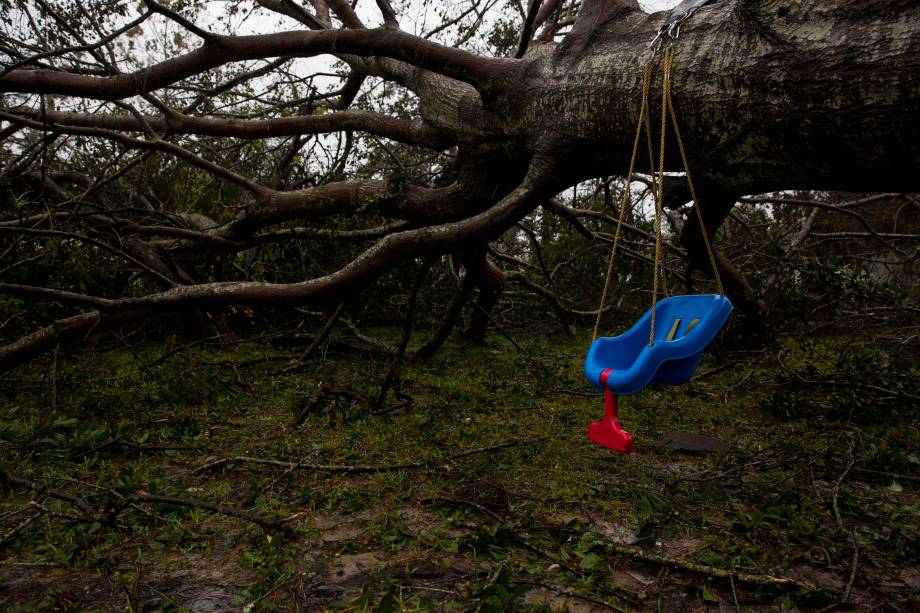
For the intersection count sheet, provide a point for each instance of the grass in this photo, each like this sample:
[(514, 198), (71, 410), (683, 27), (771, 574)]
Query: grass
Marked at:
[(820, 469)]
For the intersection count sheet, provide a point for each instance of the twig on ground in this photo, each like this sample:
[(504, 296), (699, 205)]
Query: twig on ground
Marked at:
[(854, 566), (585, 393), (65, 516), (711, 571), (18, 527), (323, 334), (120, 442), (572, 594), (731, 580), (335, 468), (353, 468), (836, 383), (267, 524), (302, 415), (519, 539), (711, 372), (55, 380), (498, 326), (740, 382), (854, 559), (851, 460), (493, 577), (478, 450), (109, 508), (882, 473), (87, 509), (326, 390), (29, 564)]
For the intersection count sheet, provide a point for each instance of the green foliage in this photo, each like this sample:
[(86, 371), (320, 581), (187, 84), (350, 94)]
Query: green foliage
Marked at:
[(128, 422)]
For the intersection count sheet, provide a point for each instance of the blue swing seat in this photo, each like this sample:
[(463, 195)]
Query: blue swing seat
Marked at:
[(684, 326)]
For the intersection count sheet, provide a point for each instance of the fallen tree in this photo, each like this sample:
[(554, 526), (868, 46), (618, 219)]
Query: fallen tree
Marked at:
[(772, 96)]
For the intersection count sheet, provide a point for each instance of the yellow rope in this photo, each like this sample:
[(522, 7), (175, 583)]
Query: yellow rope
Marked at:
[(651, 159), (667, 109), (665, 96), (696, 201), (646, 84)]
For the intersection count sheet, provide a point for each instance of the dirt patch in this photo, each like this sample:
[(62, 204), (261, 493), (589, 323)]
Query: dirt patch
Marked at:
[(682, 547), (60, 586), (620, 534), (632, 580), (559, 602), (347, 567), (195, 583)]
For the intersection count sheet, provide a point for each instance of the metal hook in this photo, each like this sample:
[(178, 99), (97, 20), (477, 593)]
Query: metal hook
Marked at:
[(675, 20)]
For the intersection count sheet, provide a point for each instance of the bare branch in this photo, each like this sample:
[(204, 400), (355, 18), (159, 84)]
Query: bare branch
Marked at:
[(344, 11), (322, 336), (840, 208), (156, 7), (389, 15), (95, 243), (155, 144), (478, 71), (450, 319), (527, 28), (409, 132), (34, 59), (45, 293), (561, 312), (294, 11)]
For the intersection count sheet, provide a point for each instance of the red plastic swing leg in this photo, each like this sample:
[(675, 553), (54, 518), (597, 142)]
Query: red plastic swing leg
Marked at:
[(608, 431)]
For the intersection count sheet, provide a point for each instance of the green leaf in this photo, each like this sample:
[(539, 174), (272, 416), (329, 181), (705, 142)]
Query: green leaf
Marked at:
[(589, 561)]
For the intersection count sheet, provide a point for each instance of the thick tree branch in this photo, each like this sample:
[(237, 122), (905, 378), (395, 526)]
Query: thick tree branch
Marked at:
[(359, 273), (409, 132), (412, 202), (478, 71), (61, 333), (546, 9)]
